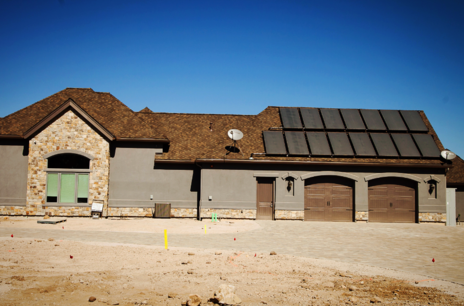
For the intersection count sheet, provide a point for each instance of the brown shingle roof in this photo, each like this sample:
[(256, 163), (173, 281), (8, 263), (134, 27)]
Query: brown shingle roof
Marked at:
[(191, 138), (456, 173), (146, 110), (111, 113)]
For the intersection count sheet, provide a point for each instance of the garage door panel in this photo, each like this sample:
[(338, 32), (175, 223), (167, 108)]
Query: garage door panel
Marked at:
[(342, 214), (378, 191), (403, 191), (378, 215), (404, 203), (404, 216), (314, 214), (315, 201), (392, 200), (332, 196), (376, 202), (342, 202)]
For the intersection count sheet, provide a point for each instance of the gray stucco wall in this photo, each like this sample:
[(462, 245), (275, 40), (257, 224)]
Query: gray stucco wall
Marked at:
[(237, 188), (133, 179), (228, 188), (460, 203), (13, 175)]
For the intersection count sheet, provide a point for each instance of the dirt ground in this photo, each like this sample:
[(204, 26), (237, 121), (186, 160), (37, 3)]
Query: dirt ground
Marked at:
[(42, 272)]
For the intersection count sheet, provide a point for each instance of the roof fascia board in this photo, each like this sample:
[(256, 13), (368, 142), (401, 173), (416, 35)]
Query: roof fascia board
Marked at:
[(69, 104), (285, 162)]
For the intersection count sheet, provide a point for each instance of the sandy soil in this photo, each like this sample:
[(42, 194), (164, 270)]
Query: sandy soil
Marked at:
[(141, 225), (42, 272)]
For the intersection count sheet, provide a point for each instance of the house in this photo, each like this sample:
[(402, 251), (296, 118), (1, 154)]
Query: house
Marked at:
[(79, 147)]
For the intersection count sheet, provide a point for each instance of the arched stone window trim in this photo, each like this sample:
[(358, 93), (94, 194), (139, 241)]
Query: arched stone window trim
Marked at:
[(48, 155), (393, 174), (330, 173)]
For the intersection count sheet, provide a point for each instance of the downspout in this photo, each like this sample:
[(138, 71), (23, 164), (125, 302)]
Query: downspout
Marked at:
[(200, 202)]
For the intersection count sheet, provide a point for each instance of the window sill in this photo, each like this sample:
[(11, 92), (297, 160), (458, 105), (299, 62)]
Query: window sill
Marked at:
[(66, 205)]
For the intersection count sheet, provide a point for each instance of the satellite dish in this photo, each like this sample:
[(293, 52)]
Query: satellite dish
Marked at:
[(235, 134), (448, 155)]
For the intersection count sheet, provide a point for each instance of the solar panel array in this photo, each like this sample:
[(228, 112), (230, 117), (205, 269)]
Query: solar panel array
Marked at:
[(351, 119), (351, 133)]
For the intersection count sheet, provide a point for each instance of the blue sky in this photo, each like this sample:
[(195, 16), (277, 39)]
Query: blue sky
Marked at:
[(238, 57)]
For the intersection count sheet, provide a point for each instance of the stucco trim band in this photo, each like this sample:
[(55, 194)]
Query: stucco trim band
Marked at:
[(431, 178), (290, 174), (266, 174), (392, 174), (329, 173), (78, 152)]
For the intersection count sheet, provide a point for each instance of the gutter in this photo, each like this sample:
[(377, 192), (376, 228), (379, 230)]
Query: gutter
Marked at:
[(317, 163), (11, 137), (158, 140)]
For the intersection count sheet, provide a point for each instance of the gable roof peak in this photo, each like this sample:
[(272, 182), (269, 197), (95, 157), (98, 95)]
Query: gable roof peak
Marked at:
[(146, 110)]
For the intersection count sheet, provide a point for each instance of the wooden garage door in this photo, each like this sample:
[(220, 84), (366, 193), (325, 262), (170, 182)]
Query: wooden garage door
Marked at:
[(265, 199), (392, 200), (328, 198)]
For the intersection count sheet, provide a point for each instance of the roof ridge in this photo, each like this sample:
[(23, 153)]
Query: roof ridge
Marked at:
[(145, 110), (199, 114)]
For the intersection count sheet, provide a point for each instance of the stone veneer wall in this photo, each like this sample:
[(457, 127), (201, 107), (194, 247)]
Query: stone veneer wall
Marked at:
[(362, 216), (289, 215), (67, 132), (432, 217), (148, 212), (229, 213)]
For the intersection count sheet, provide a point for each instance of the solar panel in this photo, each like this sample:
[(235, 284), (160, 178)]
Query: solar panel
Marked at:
[(426, 145), (362, 144), (296, 143), (414, 121), (318, 143), (340, 144), (352, 119), (373, 120), (405, 145), (274, 143), (384, 145), (290, 118), (332, 119), (311, 118), (393, 120)]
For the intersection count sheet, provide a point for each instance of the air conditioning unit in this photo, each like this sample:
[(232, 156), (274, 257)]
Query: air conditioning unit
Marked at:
[(163, 210)]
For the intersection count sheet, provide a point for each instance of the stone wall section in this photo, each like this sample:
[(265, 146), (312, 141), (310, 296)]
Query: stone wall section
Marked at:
[(289, 215), (67, 132), (432, 217), (206, 213), (362, 216), (148, 212)]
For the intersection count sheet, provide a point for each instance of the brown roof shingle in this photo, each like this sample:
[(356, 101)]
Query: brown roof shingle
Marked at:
[(111, 113), (191, 138), (455, 175)]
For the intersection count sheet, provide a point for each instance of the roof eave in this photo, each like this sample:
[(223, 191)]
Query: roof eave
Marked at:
[(318, 163), (157, 140)]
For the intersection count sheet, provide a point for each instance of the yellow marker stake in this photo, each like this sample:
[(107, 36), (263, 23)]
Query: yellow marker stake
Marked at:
[(166, 239), (205, 228)]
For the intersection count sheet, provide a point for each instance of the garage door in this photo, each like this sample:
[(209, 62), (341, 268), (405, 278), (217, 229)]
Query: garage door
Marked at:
[(328, 198), (392, 200)]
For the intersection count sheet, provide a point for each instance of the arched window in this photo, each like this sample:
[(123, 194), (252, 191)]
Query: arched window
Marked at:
[(68, 161), (68, 178)]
